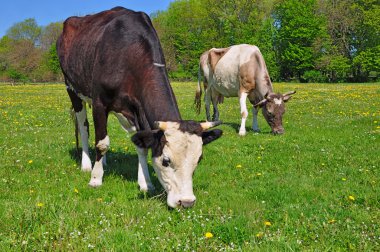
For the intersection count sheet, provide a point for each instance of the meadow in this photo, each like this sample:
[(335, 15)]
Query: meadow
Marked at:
[(315, 188)]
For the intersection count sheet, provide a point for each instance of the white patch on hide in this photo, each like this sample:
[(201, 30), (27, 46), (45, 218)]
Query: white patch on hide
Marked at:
[(158, 64), (103, 145), (277, 101)]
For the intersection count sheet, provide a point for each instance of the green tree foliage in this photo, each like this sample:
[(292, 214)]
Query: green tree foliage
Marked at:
[(298, 27), (52, 59), (301, 40), (28, 52), (319, 40), (25, 30)]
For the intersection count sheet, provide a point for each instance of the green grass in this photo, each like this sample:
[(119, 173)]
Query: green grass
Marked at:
[(254, 193)]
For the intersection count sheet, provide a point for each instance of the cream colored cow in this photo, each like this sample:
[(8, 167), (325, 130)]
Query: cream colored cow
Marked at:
[(240, 71)]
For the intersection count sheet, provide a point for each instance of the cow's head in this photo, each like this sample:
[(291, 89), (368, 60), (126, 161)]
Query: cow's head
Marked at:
[(176, 151), (273, 106)]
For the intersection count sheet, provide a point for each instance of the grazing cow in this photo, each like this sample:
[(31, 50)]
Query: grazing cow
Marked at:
[(113, 61), (240, 71)]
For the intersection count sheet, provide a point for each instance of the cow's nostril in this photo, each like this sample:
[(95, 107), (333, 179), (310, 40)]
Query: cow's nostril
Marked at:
[(187, 203)]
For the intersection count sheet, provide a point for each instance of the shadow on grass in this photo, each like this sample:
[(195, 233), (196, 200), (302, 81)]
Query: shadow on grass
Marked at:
[(236, 127), (123, 165)]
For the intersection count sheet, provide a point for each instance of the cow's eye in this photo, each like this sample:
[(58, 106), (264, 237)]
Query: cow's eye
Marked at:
[(166, 161)]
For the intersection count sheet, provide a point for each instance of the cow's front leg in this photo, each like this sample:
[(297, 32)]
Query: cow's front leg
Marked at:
[(143, 177), (102, 143), (243, 112), (255, 125)]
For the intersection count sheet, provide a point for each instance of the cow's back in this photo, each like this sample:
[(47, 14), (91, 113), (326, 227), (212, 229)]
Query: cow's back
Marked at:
[(92, 47), (239, 65), (115, 56)]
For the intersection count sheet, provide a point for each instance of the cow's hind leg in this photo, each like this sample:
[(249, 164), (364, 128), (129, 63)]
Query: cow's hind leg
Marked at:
[(102, 141), (215, 100), (143, 177), (243, 112), (81, 115), (207, 103)]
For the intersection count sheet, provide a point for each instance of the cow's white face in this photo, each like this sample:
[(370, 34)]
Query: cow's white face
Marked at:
[(176, 151), (176, 165)]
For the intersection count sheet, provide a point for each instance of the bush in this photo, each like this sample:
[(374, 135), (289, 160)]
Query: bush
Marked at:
[(314, 76), (16, 76)]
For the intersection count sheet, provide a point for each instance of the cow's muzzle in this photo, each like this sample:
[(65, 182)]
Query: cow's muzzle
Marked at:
[(278, 131), (186, 203)]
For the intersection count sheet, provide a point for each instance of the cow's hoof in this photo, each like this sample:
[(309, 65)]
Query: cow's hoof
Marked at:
[(147, 188), (86, 169), (95, 182)]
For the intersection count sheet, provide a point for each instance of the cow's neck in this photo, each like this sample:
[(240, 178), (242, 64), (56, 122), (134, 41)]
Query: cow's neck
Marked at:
[(160, 107), (264, 87)]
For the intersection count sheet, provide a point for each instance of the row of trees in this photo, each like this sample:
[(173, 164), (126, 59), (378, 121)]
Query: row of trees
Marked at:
[(28, 53), (301, 40)]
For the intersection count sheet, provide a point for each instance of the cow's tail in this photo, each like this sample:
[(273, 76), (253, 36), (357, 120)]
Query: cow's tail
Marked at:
[(75, 121), (198, 93)]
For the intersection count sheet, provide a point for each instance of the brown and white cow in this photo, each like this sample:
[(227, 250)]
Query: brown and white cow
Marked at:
[(113, 61), (240, 71)]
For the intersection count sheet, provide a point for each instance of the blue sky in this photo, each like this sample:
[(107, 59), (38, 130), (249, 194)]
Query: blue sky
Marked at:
[(48, 11)]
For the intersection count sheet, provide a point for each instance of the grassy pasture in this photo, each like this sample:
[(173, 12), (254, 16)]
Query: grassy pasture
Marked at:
[(314, 188)]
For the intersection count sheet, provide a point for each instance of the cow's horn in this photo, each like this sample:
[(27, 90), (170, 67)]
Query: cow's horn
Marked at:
[(161, 125), (207, 125), (260, 102), (289, 93)]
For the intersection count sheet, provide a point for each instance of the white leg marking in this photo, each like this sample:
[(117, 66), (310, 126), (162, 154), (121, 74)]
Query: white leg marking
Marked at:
[(255, 124), (243, 112), (97, 174), (103, 145), (83, 130), (143, 177)]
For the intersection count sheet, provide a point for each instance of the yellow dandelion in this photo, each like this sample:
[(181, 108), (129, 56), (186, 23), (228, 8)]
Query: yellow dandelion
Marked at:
[(99, 199), (238, 166), (40, 204), (209, 235), (30, 161), (260, 235), (352, 198), (76, 190), (31, 191), (126, 148), (259, 174), (344, 179), (332, 221), (267, 223)]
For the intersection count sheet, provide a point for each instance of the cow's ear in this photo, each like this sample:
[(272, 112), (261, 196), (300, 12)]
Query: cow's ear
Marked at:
[(144, 139), (286, 97), (211, 135)]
